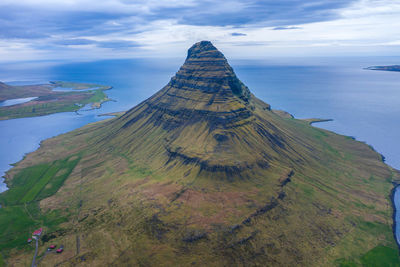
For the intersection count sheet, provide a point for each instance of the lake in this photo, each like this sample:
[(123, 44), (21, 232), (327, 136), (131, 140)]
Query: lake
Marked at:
[(362, 103)]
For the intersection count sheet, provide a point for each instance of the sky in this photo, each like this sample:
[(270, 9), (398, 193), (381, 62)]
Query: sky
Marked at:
[(103, 29)]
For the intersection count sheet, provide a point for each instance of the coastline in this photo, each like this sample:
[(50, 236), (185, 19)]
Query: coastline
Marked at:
[(112, 114), (316, 120), (4, 181), (394, 225), (396, 185), (395, 68), (4, 186), (39, 144), (12, 165)]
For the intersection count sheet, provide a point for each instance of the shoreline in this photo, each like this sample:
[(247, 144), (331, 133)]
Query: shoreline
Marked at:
[(394, 225), (112, 114), (312, 121), (383, 158), (394, 68), (94, 105), (394, 183), (39, 144)]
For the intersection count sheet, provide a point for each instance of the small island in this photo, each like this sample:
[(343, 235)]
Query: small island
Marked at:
[(44, 99), (385, 68)]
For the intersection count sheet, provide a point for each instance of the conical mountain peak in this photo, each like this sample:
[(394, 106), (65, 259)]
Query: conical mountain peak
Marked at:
[(207, 70), (208, 118), (205, 84), (204, 49)]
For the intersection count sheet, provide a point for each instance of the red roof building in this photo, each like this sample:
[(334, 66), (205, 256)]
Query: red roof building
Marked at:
[(38, 231)]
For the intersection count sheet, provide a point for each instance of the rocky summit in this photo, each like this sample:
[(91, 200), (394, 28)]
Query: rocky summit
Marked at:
[(203, 173)]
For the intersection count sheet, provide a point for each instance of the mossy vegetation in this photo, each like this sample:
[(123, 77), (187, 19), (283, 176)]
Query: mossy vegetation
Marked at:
[(379, 256)]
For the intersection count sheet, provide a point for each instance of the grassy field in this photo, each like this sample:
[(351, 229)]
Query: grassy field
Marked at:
[(20, 213), (2, 263), (380, 256)]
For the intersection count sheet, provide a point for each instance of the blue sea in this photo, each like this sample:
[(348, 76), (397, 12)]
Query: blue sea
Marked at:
[(364, 104)]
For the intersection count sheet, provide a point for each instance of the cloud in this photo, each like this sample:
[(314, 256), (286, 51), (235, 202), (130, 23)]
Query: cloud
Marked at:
[(238, 34), (26, 19), (117, 28), (74, 42), (116, 44), (286, 28), (268, 13)]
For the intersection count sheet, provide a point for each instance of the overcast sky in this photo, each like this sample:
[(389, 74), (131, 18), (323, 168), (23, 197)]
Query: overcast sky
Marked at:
[(96, 29)]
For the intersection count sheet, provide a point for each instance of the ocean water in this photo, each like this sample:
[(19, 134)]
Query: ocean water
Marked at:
[(362, 103), (396, 202)]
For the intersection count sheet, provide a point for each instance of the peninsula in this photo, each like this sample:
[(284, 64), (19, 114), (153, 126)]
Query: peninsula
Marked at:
[(45, 99), (385, 68)]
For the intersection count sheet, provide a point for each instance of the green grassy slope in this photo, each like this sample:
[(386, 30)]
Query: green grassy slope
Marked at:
[(341, 205)]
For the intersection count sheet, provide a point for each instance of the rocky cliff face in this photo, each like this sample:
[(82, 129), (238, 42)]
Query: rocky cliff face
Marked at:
[(205, 63), (205, 87)]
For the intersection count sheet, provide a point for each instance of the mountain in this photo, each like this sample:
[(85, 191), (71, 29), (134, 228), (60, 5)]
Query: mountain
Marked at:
[(12, 92), (204, 173), (3, 85), (4, 89), (207, 122)]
